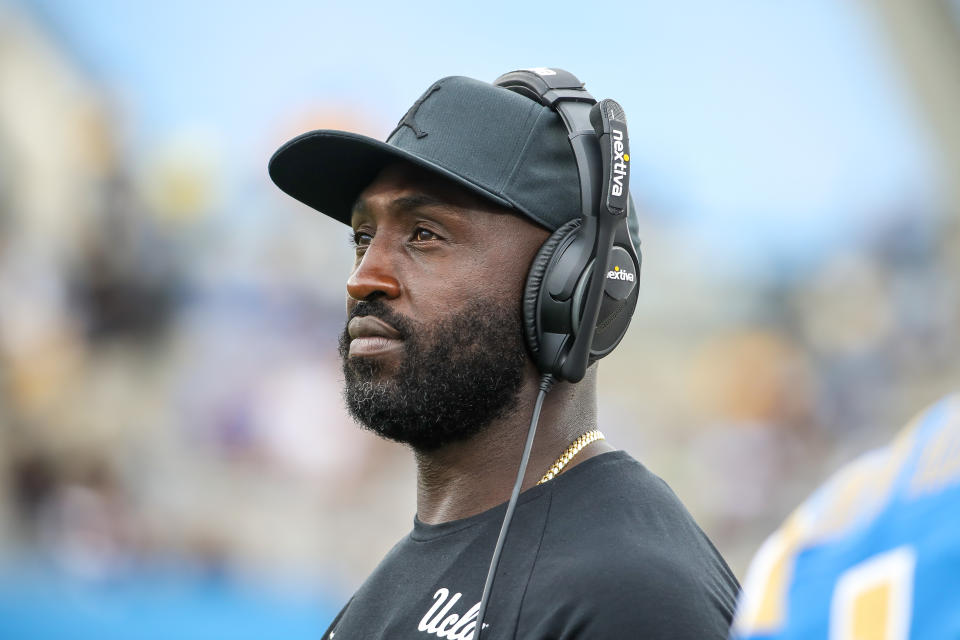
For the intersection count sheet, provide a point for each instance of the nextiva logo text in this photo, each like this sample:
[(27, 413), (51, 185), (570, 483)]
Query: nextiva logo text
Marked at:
[(620, 160), (620, 274)]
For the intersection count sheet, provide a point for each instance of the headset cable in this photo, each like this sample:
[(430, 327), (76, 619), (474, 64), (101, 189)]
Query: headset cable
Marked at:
[(546, 381)]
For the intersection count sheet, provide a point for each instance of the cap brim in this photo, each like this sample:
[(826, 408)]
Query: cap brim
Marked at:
[(327, 170)]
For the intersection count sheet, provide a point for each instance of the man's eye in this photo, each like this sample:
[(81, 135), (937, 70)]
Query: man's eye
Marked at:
[(424, 235), (361, 238)]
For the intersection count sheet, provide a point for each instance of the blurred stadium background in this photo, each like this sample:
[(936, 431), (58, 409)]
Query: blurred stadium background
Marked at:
[(174, 457)]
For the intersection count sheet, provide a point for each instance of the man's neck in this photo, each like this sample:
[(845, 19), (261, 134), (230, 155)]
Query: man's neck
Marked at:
[(466, 478)]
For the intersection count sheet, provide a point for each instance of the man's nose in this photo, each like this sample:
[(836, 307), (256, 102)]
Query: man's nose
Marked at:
[(374, 274)]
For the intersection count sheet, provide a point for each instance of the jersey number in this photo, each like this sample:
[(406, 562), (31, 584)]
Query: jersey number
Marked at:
[(873, 600)]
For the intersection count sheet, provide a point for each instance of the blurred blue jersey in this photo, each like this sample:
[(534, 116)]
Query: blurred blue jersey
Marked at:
[(874, 554)]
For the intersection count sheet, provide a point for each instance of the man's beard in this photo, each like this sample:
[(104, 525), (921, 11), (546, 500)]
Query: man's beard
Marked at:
[(453, 379)]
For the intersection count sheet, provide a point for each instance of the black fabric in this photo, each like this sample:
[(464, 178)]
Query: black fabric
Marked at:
[(490, 140), (531, 293), (605, 550)]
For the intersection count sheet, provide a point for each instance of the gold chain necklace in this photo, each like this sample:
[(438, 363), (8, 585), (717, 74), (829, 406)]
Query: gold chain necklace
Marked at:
[(572, 450)]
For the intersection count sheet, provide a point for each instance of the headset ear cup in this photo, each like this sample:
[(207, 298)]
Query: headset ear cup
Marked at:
[(538, 269)]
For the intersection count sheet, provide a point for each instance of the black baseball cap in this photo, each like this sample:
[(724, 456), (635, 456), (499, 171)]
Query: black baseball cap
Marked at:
[(496, 143)]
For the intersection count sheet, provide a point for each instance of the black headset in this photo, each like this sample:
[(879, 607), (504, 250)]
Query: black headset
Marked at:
[(582, 286)]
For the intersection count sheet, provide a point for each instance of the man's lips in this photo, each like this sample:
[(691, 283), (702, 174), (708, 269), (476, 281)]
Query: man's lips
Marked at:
[(371, 336)]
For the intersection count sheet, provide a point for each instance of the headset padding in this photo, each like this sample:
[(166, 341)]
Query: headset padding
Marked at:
[(531, 295)]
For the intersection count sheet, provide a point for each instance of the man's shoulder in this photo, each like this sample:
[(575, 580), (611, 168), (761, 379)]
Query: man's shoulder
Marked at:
[(598, 553), (619, 548), (613, 499), (625, 591), (635, 566)]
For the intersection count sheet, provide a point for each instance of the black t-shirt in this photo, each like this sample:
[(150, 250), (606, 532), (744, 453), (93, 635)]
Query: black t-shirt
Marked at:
[(605, 550)]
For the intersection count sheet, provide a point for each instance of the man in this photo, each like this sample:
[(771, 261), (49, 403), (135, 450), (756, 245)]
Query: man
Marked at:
[(447, 217), (875, 552)]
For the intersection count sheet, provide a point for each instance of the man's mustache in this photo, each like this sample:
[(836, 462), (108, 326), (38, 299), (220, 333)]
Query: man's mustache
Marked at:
[(378, 309)]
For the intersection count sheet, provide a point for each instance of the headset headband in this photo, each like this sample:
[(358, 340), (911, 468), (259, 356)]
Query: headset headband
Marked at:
[(564, 93)]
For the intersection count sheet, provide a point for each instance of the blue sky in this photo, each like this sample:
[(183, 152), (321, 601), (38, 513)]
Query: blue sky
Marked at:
[(775, 126)]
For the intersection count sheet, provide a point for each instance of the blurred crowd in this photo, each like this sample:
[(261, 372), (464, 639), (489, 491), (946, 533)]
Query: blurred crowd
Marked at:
[(169, 385)]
